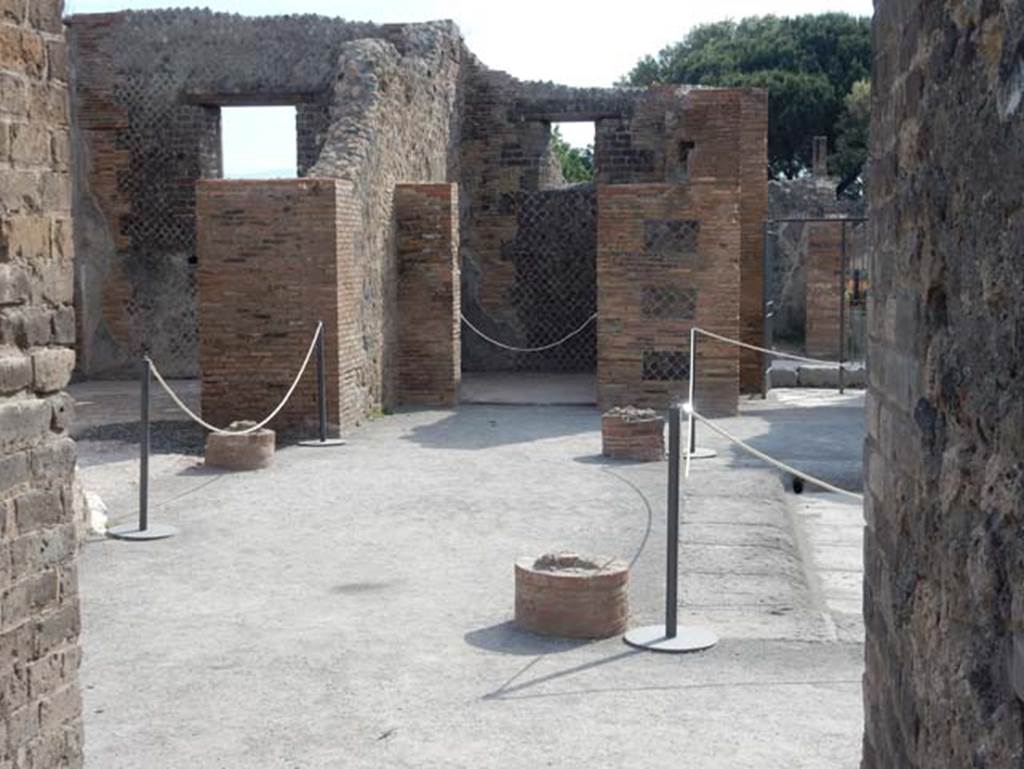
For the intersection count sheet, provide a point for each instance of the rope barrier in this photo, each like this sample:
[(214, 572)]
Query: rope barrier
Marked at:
[(777, 353), (764, 457), (178, 402), (542, 348)]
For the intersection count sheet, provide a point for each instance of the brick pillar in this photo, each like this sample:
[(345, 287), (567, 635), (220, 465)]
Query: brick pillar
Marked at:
[(429, 356), (819, 157), (668, 257), (274, 258), (753, 211), (824, 263), (40, 702)]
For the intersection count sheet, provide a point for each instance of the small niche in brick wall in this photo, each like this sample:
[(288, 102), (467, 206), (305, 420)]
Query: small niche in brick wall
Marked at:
[(664, 302), (685, 152), (666, 366), (672, 239)]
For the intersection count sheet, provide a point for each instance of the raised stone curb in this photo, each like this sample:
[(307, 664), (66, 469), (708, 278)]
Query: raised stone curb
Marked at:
[(632, 433), (251, 451), (570, 596)]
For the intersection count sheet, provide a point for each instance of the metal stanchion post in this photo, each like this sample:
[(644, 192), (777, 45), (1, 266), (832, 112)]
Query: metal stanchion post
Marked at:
[(842, 305), (694, 451), (143, 531), (321, 394), (669, 637)]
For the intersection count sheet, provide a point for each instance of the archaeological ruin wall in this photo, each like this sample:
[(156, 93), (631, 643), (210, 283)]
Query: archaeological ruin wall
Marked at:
[(40, 702), (944, 574), (668, 259), (376, 104), (275, 258), (662, 135)]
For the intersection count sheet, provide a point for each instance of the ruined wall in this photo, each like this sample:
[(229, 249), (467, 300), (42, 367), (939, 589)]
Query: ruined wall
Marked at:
[(375, 105), (275, 257), (822, 246), (669, 134), (787, 279), (429, 360), (944, 574), (40, 704), (668, 258)]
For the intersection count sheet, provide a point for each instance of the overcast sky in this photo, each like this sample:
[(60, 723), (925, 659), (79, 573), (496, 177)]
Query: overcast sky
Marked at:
[(567, 42)]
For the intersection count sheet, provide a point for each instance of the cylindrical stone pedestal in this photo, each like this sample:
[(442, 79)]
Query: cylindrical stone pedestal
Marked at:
[(632, 433), (572, 597), (251, 451)]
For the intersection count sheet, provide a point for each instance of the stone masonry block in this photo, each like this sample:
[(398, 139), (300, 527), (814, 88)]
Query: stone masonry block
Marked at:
[(51, 368), (15, 371), (252, 451), (14, 284)]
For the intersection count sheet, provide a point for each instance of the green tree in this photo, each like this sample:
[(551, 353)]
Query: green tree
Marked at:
[(852, 138), (808, 64), (577, 162)]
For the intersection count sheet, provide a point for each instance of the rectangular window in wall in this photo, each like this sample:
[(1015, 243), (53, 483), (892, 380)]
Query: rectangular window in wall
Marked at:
[(258, 142)]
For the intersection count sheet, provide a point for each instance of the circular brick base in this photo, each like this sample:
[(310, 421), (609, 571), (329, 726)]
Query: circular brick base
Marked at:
[(632, 433), (572, 597), (251, 451)]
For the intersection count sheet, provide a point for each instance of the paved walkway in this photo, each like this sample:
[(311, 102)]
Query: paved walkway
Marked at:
[(350, 607)]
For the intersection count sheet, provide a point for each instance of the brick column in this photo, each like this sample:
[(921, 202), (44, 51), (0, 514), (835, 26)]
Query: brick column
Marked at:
[(824, 262), (40, 703), (429, 356), (274, 258), (668, 257)]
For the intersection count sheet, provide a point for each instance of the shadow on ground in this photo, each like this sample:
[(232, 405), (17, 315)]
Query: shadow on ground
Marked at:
[(481, 427)]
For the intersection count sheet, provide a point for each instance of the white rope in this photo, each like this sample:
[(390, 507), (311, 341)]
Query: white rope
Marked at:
[(776, 353), (781, 465), (254, 428), (542, 348)]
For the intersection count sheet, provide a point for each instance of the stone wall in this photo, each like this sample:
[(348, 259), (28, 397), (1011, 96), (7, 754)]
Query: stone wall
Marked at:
[(944, 575), (668, 257), (429, 360), (40, 703), (375, 105), (275, 257)]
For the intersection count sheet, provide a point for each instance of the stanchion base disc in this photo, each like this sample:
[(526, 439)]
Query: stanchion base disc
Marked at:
[(702, 453), (317, 443), (687, 639), (131, 531)]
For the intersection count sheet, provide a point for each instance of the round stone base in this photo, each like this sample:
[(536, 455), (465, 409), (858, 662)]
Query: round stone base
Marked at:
[(568, 596), (632, 433), (251, 451)]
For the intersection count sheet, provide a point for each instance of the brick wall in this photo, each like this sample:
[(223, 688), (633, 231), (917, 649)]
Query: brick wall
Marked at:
[(40, 704), (429, 356), (375, 104), (944, 577), (274, 258), (667, 258), (824, 262)]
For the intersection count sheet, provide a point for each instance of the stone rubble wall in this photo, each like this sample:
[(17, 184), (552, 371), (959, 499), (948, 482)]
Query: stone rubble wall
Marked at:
[(40, 701), (944, 573)]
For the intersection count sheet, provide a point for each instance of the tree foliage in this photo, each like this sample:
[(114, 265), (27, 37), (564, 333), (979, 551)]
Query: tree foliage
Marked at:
[(808, 64), (852, 138), (577, 162)]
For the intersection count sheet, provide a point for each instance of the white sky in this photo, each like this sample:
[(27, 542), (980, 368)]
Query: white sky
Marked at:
[(569, 42)]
